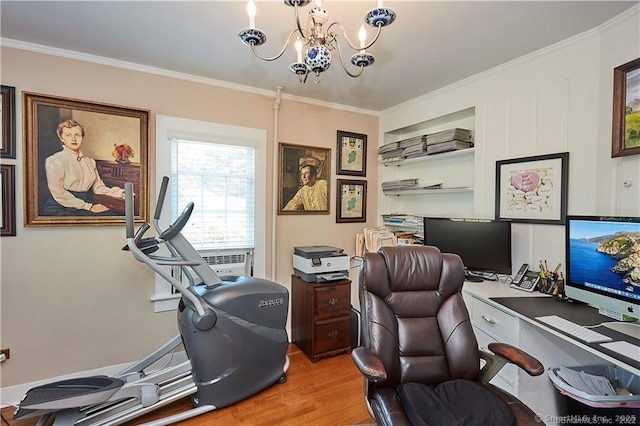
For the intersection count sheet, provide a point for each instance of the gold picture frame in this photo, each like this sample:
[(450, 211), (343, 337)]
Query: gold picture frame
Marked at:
[(304, 179), (113, 150), (626, 109)]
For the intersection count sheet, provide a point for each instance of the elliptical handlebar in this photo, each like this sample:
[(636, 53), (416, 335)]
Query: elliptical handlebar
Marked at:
[(172, 231), (128, 208), (163, 192)]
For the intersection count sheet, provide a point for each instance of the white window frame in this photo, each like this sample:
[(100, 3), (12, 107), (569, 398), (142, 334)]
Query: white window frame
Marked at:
[(168, 128)]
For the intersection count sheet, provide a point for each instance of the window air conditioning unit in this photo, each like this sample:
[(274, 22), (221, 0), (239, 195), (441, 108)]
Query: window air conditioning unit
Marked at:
[(230, 262)]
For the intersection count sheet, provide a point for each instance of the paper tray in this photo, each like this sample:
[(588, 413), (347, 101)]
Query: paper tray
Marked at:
[(623, 377)]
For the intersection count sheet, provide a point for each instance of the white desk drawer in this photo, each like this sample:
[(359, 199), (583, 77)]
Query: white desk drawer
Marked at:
[(498, 324), (507, 377)]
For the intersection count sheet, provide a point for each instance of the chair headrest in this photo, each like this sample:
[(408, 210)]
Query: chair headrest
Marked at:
[(414, 268)]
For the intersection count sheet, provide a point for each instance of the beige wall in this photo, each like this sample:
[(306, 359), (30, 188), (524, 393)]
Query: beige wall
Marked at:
[(70, 299)]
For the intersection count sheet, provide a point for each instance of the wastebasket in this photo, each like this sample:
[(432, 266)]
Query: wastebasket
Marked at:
[(610, 408)]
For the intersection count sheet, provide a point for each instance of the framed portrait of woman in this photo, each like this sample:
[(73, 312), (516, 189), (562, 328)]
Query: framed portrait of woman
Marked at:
[(78, 156)]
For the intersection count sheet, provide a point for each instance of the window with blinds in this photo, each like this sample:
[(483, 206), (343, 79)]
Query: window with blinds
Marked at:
[(220, 179)]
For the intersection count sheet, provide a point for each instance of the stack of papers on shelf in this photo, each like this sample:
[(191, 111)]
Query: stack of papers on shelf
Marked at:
[(388, 147), (393, 219), (390, 152), (415, 150), (452, 145), (587, 383), (432, 185), (463, 135), (402, 219), (416, 140), (414, 220), (398, 185)]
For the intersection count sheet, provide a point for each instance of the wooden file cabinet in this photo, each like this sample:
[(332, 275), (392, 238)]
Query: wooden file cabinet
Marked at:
[(320, 317)]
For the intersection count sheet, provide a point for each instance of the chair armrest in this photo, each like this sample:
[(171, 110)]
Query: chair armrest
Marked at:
[(369, 364), (532, 366), (503, 353)]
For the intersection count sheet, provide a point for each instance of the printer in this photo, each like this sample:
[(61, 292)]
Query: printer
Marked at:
[(320, 263)]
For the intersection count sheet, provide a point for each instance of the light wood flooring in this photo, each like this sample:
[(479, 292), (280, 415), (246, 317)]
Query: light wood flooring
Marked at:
[(329, 392)]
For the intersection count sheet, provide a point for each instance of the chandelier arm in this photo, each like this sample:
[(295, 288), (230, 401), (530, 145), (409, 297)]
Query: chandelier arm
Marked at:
[(346, 37), (295, 7), (286, 43), (344, 67)]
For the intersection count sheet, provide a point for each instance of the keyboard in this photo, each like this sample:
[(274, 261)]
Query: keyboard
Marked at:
[(575, 330)]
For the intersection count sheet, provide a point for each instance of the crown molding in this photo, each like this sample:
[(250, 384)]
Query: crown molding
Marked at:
[(101, 60)]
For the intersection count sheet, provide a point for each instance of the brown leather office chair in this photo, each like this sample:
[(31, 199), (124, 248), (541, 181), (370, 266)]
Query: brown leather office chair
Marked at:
[(417, 338)]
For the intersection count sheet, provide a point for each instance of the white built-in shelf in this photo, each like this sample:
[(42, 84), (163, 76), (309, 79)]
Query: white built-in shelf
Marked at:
[(434, 191), (432, 157)]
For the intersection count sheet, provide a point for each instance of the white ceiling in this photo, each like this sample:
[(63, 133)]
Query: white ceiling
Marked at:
[(431, 44)]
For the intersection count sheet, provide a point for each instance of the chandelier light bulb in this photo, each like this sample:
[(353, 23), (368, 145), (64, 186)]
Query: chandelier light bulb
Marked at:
[(299, 49), (362, 36), (251, 11)]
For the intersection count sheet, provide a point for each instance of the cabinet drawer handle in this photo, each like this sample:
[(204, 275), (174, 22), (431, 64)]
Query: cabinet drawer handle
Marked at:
[(333, 301), (333, 334), (488, 319)]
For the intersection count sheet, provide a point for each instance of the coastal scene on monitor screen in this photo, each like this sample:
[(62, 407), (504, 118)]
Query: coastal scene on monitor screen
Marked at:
[(607, 256)]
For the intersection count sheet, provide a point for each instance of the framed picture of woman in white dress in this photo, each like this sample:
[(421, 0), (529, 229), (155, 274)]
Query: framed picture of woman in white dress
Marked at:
[(78, 156)]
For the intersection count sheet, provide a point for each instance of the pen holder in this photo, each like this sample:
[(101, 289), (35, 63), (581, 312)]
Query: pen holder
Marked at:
[(552, 286)]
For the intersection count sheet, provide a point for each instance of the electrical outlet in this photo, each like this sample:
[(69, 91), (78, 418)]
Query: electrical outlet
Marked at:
[(5, 352)]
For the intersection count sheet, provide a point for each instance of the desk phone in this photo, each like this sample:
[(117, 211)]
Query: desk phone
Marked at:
[(525, 280)]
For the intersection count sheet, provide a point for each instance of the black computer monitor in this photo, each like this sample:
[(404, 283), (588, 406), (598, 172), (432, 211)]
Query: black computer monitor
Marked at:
[(483, 245)]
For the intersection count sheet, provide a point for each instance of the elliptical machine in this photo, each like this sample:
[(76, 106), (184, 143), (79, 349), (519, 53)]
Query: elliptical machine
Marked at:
[(232, 329)]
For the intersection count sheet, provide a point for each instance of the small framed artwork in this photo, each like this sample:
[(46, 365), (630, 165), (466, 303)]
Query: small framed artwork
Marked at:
[(78, 156), (626, 109), (352, 154), (533, 189), (304, 179), (351, 201), (8, 116), (8, 207)]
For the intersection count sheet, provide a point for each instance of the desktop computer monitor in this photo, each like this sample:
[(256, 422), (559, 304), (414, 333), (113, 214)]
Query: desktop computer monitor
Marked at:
[(483, 245), (603, 264)]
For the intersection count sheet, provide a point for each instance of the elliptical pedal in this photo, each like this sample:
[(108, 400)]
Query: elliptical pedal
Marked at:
[(68, 394)]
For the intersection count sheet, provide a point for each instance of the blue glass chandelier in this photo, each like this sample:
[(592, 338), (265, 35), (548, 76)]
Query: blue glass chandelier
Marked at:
[(319, 39)]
